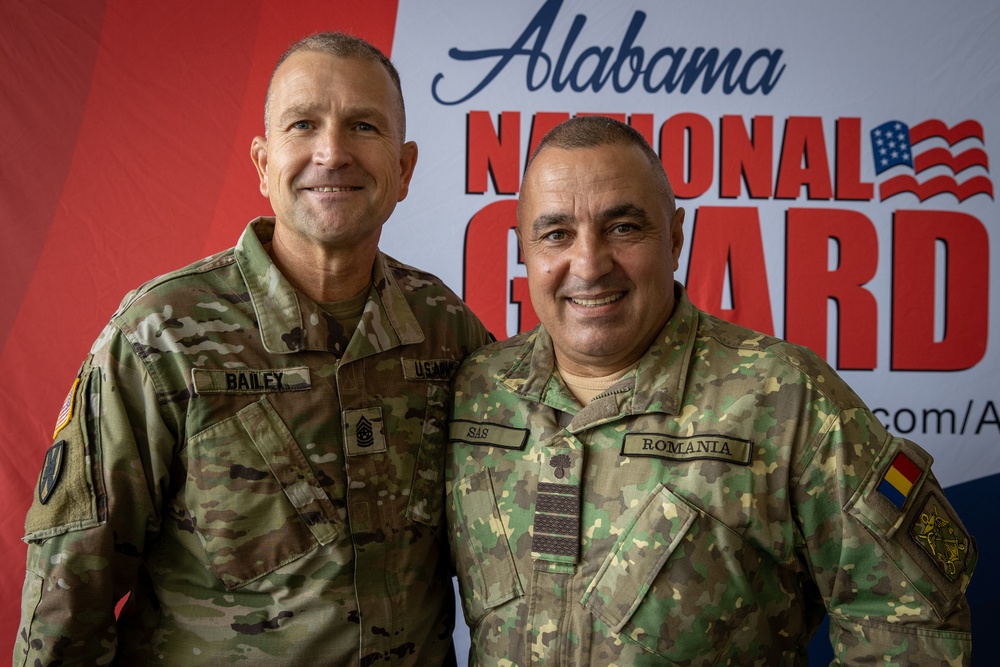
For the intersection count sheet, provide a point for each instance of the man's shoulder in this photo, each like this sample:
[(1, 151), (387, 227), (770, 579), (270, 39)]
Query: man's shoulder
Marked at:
[(434, 305), (414, 281), (496, 356), (769, 356), (743, 341), (178, 290)]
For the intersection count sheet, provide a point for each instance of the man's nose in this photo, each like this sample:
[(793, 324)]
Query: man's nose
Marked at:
[(591, 259), (331, 148)]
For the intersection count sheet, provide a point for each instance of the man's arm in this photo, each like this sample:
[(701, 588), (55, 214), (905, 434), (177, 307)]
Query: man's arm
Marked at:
[(890, 556), (93, 510)]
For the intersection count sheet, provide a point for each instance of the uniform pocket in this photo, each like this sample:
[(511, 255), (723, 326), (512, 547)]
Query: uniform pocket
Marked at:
[(482, 557), (254, 500), (677, 582)]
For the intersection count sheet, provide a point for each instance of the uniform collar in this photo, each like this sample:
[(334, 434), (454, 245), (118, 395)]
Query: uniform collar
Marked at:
[(291, 322), (656, 386)]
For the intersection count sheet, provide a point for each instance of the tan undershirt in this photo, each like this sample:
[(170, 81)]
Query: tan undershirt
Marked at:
[(586, 388)]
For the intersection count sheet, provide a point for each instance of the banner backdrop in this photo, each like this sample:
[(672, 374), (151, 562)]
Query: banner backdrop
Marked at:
[(834, 160)]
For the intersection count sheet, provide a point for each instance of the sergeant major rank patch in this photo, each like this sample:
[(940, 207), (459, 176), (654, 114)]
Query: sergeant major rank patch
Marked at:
[(51, 470), (364, 431)]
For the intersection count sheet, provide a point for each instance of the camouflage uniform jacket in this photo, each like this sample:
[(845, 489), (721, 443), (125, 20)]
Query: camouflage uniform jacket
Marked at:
[(267, 487), (701, 511)]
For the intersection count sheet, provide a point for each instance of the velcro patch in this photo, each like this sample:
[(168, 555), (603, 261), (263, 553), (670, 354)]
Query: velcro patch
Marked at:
[(429, 369), (70, 480), (364, 431), (486, 434), (941, 537), (710, 446), (556, 523), (250, 381)]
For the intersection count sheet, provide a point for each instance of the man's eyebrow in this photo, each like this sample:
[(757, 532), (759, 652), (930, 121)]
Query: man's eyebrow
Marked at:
[(624, 211), (375, 112), (295, 110), (546, 221), (380, 116)]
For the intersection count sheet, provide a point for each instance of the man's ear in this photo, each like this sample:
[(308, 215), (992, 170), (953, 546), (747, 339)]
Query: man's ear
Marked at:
[(407, 162), (258, 154), (677, 236)]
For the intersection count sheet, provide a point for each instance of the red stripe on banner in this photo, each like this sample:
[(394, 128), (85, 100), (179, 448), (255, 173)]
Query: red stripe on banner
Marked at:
[(159, 175), (934, 157), (938, 185), (146, 165), (48, 52), (47, 55), (968, 129)]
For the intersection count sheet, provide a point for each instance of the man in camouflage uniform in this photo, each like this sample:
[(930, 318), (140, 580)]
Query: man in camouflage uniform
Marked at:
[(636, 482), (253, 452)]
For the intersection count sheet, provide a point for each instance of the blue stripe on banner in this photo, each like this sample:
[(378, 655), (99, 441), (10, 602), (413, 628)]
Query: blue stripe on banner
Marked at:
[(892, 493)]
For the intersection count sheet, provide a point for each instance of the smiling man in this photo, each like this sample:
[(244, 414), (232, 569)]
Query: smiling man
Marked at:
[(636, 482), (253, 451)]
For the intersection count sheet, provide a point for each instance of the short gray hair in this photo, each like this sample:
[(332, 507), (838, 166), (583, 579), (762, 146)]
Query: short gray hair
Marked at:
[(594, 131)]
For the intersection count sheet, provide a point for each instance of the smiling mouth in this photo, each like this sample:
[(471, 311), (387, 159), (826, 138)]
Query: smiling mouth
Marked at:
[(333, 189), (603, 301)]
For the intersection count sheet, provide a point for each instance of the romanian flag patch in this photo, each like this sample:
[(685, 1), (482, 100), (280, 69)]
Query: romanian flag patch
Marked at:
[(899, 479)]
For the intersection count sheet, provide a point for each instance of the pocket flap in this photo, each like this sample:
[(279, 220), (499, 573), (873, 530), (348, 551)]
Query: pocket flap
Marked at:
[(628, 571), (289, 466)]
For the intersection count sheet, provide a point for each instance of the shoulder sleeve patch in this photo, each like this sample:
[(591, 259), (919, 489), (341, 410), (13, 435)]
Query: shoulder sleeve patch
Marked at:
[(51, 471), (902, 505), (941, 536), (66, 413), (65, 497), (888, 490)]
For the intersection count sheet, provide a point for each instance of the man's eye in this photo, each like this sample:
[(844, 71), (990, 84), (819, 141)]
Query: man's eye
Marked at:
[(555, 236), (624, 228), (301, 125), (366, 127)]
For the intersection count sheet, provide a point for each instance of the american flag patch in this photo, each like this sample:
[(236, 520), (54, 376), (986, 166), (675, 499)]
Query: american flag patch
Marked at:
[(66, 413), (899, 479)]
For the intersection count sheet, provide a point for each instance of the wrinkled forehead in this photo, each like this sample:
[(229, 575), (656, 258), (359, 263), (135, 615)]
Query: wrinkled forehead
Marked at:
[(614, 171), (310, 77)]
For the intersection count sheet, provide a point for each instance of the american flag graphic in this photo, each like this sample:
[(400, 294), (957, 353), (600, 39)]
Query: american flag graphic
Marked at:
[(66, 412), (921, 159)]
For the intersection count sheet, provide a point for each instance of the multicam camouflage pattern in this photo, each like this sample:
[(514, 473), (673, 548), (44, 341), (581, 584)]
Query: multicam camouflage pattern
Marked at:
[(267, 486), (707, 509)]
